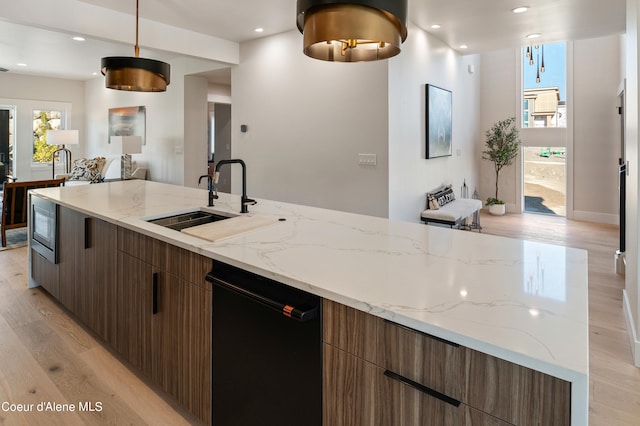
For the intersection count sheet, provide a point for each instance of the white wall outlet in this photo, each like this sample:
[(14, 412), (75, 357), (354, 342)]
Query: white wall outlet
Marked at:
[(367, 159)]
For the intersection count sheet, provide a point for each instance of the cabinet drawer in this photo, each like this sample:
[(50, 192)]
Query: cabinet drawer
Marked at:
[(174, 260), (44, 273), (429, 361), (514, 393), (351, 330)]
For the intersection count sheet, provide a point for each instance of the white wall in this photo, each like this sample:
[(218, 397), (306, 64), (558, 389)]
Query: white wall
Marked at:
[(28, 93), (498, 101), (196, 130), (427, 60), (593, 139), (307, 121), (596, 130)]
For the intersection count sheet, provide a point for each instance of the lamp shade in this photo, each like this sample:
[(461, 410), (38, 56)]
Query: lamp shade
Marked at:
[(127, 144), (62, 137), (352, 30)]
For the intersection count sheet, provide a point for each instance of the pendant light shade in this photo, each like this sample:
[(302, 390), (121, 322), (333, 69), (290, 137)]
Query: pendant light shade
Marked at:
[(352, 30), (135, 74)]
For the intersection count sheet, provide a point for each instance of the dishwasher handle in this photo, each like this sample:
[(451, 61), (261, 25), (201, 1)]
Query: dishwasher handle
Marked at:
[(303, 314)]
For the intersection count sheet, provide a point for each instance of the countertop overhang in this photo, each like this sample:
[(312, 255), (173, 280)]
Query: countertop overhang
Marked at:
[(522, 301)]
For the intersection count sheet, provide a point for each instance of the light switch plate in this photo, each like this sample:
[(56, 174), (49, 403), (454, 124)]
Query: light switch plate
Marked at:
[(367, 159)]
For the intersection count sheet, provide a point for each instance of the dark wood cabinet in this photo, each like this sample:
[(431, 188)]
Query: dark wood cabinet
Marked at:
[(133, 311), (379, 372), (87, 270), (70, 259), (172, 322), (514, 393), (147, 299), (181, 342)]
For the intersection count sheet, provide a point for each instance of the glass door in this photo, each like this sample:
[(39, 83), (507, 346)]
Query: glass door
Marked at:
[(545, 180)]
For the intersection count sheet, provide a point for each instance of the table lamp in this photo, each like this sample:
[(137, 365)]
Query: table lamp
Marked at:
[(62, 138), (126, 145)]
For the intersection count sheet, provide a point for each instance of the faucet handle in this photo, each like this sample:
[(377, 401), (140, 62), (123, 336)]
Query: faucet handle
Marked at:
[(249, 201)]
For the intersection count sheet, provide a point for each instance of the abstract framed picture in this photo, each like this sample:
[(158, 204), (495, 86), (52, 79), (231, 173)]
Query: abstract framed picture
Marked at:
[(128, 121), (439, 113)]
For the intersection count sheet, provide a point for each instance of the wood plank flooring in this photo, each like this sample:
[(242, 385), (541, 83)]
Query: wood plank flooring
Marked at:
[(45, 356)]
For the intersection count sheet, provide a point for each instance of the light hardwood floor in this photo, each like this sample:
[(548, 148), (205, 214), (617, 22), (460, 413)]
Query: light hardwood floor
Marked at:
[(46, 357)]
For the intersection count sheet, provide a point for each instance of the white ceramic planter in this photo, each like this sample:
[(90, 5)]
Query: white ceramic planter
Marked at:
[(497, 209)]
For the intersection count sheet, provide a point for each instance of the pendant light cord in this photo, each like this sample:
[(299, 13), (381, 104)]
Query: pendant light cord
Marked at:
[(137, 48)]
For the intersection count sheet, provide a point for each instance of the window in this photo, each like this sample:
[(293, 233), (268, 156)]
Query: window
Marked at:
[(544, 85), (43, 121)]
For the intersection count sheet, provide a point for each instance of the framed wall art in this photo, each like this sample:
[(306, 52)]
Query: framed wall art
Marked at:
[(128, 121), (438, 119)]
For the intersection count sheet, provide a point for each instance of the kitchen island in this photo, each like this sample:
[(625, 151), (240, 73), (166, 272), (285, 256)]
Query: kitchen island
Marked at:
[(516, 301)]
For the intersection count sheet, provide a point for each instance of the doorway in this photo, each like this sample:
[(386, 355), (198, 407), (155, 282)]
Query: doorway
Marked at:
[(6, 142), (220, 143), (544, 172)]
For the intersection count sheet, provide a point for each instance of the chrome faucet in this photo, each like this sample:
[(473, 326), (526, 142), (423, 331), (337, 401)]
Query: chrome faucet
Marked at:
[(244, 201), (210, 187)]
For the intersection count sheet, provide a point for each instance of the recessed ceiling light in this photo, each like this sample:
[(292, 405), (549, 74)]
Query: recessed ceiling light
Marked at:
[(520, 9), (259, 30), (463, 46), (435, 26), (21, 64), (78, 38), (534, 35)]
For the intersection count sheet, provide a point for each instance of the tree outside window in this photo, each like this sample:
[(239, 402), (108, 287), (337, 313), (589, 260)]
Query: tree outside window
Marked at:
[(43, 121)]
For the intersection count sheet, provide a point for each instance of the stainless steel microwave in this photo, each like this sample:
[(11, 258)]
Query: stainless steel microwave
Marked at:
[(44, 228)]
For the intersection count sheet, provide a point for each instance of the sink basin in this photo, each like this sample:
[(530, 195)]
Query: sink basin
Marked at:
[(187, 220)]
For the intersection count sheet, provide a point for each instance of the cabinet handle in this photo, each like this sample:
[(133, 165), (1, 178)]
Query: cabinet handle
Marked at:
[(87, 229), (155, 293), (439, 339), (422, 388)]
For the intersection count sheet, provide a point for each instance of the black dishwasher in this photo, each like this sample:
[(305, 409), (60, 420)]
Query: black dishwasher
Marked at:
[(266, 351)]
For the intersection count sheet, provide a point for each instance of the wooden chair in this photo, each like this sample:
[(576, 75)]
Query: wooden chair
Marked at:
[(15, 210)]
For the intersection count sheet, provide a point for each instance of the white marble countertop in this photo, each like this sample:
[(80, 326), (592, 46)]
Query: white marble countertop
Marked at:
[(521, 301)]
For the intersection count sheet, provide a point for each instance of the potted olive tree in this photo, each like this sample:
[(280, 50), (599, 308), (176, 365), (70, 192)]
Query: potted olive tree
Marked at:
[(502, 145)]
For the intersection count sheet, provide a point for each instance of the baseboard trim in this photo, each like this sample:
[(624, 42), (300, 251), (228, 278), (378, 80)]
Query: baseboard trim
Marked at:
[(609, 219), (631, 330)]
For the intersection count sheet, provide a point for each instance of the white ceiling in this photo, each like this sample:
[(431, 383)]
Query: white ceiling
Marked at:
[(483, 25)]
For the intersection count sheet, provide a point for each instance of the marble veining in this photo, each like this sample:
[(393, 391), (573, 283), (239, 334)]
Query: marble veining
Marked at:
[(522, 301)]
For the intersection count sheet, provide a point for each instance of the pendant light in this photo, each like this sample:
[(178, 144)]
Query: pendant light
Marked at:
[(352, 30), (538, 72), (135, 74), (530, 55), (542, 63)]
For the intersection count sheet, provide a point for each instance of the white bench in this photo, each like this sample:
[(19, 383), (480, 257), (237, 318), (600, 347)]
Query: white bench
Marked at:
[(454, 213)]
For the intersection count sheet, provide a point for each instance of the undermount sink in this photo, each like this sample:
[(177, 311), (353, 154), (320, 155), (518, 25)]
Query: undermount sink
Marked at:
[(187, 220)]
